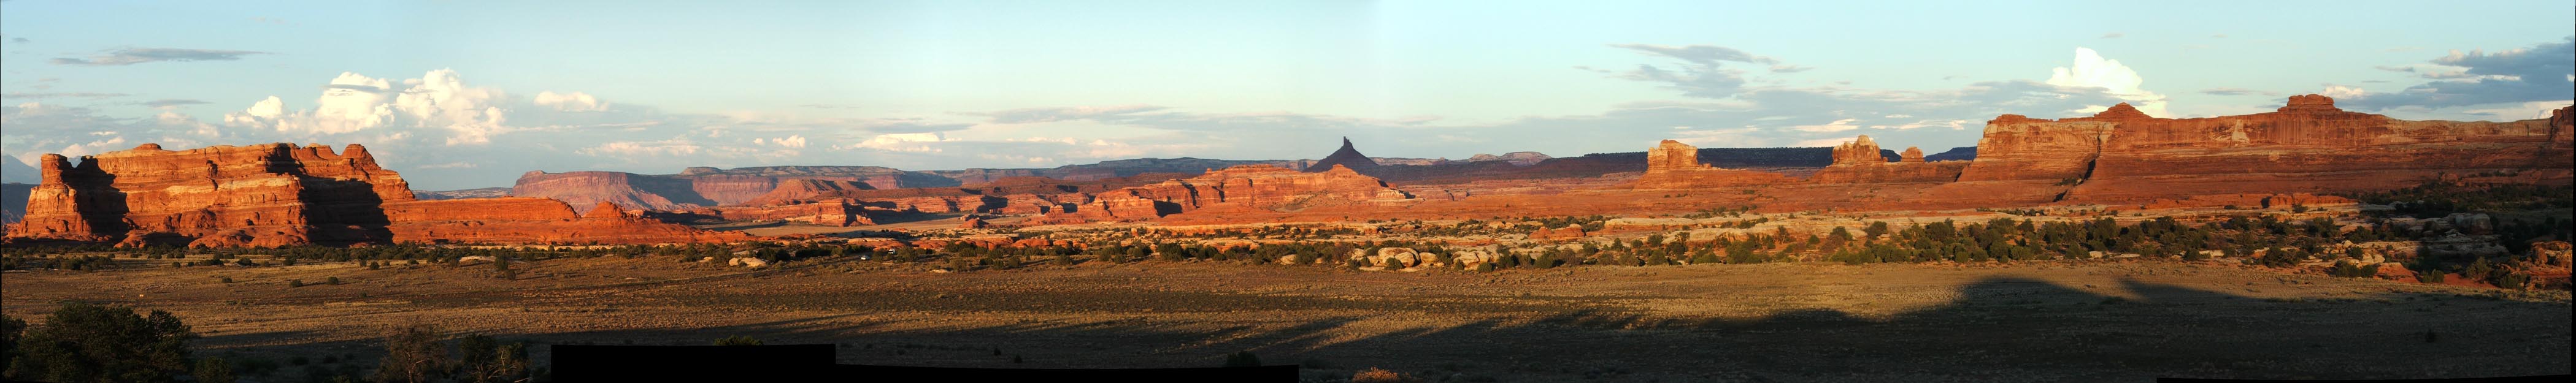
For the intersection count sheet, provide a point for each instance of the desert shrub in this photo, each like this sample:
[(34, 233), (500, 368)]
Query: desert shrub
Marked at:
[(84, 342), (2348, 270), (213, 370), (1242, 359), (737, 340), (412, 355)]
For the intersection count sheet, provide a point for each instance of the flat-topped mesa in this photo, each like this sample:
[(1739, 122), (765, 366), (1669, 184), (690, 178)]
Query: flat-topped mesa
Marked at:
[(2306, 146), (2310, 102), (1859, 162), (254, 195), (1675, 165), (1254, 187)]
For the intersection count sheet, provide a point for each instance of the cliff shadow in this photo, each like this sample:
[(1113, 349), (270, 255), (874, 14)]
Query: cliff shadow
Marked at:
[(97, 199), (1994, 329), (336, 211)]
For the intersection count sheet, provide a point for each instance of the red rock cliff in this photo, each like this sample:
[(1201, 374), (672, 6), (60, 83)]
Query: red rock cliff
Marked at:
[(256, 195), (2307, 145)]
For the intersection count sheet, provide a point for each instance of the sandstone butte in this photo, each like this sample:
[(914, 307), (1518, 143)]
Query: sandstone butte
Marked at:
[(282, 194), (1675, 165), (1859, 162)]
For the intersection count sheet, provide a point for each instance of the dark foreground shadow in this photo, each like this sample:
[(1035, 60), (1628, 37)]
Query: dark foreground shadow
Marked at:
[(1998, 329)]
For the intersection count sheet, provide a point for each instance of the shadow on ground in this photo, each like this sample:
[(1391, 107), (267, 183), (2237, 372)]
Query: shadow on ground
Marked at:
[(1998, 329)]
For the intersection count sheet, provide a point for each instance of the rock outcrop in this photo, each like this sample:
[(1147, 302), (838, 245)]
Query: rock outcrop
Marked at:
[(1345, 157), (1859, 162), (1675, 165), (1251, 187), (2307, 145), (274, 195)]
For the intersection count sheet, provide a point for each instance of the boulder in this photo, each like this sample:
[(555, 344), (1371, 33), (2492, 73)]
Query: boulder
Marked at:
[(747, 262)]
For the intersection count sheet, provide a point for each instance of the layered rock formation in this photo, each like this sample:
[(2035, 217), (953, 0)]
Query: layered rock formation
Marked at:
[(257, 195), (1251, 187), (1860, 162), (525, 220), (2307, 145), (265, 195), (1674, 165), (1345, 157)]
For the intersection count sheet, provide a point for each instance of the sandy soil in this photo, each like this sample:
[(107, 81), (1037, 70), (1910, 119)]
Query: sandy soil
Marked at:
[(2036, 322)]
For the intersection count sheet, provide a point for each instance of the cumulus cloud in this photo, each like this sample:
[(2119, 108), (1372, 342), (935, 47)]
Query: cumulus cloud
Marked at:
[(570, 101), (131, 56), (353, 103), (788, 142), (2092, 70), (2537, 73)]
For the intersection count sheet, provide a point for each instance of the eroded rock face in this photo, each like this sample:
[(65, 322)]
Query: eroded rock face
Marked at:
[(1675, 165), (2306, 146), (1257, 187), (1860, 162), (250, 195), (273, 195)]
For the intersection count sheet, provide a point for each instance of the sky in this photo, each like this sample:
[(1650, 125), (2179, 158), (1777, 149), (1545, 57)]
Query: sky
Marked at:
[(467, 94)]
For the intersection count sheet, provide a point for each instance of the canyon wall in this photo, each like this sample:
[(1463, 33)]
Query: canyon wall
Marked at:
[(2305, 146), (274, 195)]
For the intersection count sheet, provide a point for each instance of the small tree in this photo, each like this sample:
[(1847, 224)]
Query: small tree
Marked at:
[(412, 355)]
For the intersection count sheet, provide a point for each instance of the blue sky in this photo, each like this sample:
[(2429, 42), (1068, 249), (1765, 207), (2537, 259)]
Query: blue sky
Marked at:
[(461, 94)]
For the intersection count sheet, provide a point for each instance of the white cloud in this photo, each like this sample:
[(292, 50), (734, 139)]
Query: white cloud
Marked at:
[(901, 142), (2339, 91), (791, 141), (2091, 70), (352, 103), (629, 149), (2523, 111), (1836, 126), (570, 101)]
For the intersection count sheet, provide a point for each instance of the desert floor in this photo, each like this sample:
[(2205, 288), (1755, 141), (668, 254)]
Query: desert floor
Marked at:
[(2036, 322)]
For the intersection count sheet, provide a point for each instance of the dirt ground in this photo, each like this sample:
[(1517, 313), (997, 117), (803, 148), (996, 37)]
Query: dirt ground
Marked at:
[(2028, 322)]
